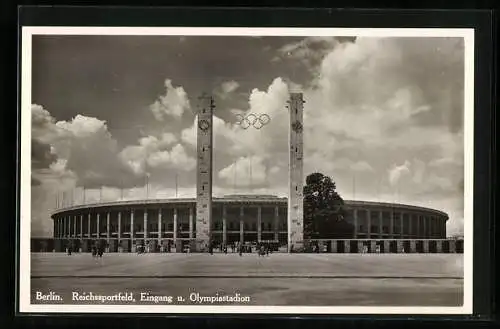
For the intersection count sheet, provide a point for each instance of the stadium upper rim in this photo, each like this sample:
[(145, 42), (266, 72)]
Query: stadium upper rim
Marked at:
[(238, 199)]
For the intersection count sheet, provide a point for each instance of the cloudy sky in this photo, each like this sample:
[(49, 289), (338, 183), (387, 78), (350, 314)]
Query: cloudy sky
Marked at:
[(383, 117)]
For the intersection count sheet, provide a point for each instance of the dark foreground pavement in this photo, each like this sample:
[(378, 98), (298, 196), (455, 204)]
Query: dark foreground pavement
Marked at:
[(278, 280)]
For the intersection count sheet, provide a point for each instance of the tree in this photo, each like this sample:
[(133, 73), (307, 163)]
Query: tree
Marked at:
[(324, 210)]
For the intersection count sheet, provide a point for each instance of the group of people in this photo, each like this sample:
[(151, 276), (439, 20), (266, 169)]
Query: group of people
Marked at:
[(97, 249), (262, 249)]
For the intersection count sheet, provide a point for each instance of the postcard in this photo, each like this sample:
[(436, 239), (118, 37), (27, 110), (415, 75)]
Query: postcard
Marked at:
[(246, 170)]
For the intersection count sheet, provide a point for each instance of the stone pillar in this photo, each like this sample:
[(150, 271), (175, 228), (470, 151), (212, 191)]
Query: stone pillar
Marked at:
[(119, 225), (98, 226), (410, 225), (204, 163), (391, 223), (295, 225), (191, 229), (175, 226), (132, 229), (65, 230), (347, 246), (399, 246), (369, 223), (145, 225), (259, 223), (426, 246), (439, 246), (413, 245), (89, 227), (373, 246), (160, 234), (242, 236), (74, 226), (81, 227), (224, 224), (276, 222), (387, 246), (419, 236), (453, 246), (361, 246), (334, 246), (355, 220), (108, 226), (380, 224), (402, 219), (425, 228)]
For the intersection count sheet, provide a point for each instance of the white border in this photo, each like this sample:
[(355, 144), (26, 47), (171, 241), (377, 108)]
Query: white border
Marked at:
[(25, 177)]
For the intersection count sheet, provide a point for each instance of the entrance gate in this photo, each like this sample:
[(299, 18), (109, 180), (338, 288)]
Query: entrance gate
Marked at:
[(407, 246), (446, 246), (354, 246), (433, 246), (420, 246), (393, 246)]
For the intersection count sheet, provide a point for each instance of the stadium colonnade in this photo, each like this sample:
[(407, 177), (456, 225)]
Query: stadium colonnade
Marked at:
[(170, 225)]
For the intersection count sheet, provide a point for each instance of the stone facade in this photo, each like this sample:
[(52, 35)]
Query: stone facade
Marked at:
[(235, 219)]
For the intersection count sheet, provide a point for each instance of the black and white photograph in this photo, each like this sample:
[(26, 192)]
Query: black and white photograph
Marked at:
[(245, 170)]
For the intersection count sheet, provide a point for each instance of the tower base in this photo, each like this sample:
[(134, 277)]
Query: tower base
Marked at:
[(199, 245)]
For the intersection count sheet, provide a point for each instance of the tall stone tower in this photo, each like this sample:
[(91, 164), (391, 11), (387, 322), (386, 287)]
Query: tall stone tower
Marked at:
[(296, 173), (204, 172)]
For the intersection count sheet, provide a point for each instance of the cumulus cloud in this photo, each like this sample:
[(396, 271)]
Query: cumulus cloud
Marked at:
[(361, 166), (82, 145), (396, 172), (310, 50), (42, 155), (231, 138), (163, 153), (387, 110), (247, 171), (173, 104), (227, 88)]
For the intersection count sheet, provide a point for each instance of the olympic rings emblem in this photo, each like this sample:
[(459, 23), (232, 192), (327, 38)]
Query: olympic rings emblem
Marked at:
[(252, 120)]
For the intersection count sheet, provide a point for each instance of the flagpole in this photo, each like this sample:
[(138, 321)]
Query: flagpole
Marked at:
[(234, 182), (354, 187), (176, 184), (250, 169)]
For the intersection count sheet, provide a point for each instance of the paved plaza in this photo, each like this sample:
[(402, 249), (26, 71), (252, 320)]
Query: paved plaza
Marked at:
[(279, 279)]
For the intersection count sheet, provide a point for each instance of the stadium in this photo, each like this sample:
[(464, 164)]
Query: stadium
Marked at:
[(170, 224)]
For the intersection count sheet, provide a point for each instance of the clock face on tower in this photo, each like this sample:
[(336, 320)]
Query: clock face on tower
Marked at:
[(204, 125), (297, 127)]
